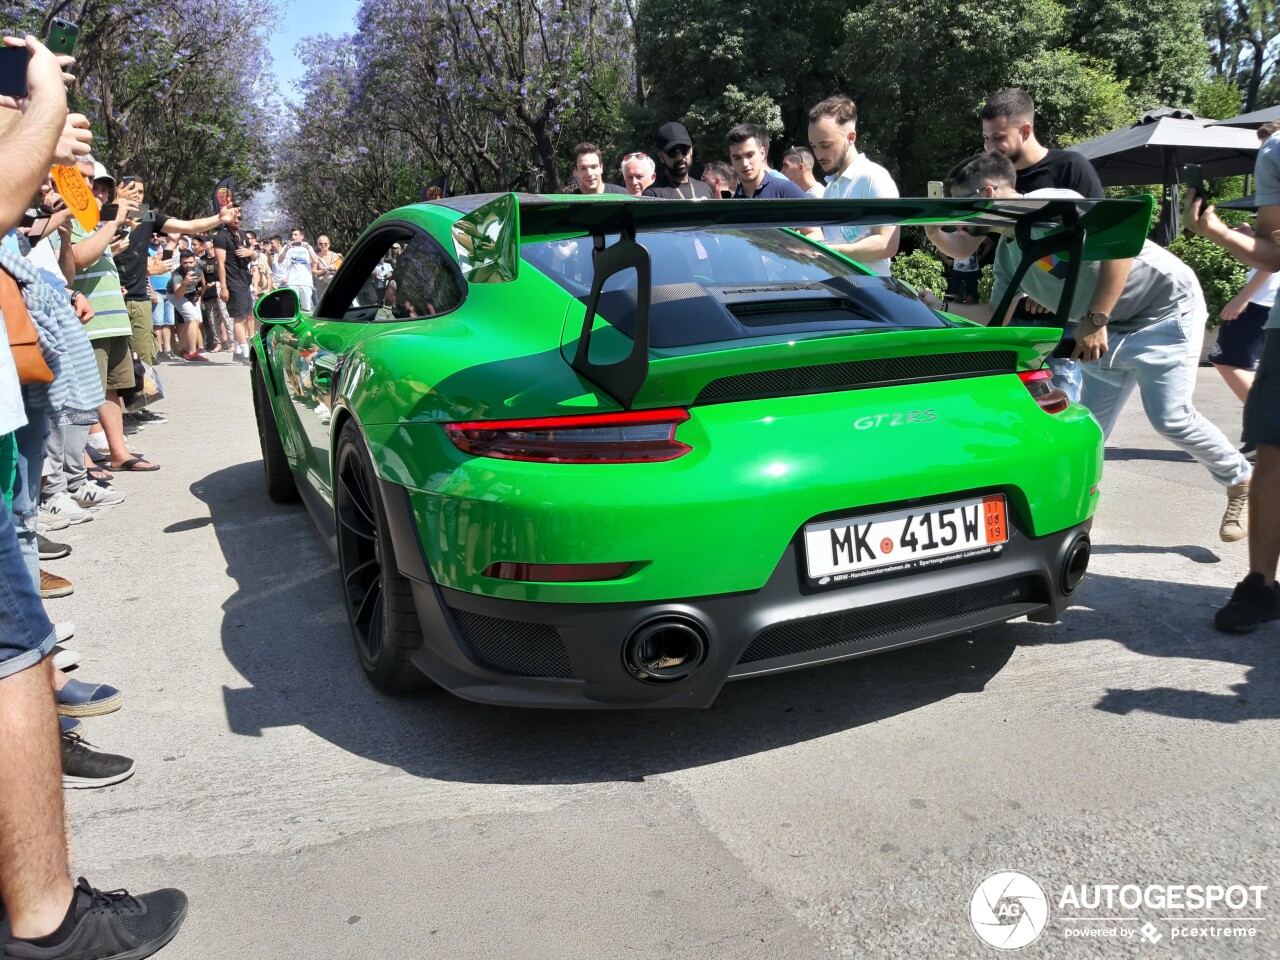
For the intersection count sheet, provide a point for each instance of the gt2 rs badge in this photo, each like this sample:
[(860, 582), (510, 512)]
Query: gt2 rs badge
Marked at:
[(897, 419)]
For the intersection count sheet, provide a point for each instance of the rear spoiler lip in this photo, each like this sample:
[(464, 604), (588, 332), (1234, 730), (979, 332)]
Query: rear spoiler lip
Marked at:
[(563, 217)]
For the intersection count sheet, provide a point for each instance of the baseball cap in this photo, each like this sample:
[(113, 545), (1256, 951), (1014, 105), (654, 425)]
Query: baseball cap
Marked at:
[(673, 134), (100, 173)]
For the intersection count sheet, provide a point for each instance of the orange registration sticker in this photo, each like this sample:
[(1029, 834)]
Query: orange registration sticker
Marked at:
[(997, 527), (75, 191)]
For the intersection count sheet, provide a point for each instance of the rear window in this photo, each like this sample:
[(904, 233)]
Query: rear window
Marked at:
[(716, 285)]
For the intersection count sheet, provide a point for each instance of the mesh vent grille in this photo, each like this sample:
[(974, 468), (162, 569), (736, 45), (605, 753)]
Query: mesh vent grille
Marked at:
[(852, 374), (514, 647), (872, 623)]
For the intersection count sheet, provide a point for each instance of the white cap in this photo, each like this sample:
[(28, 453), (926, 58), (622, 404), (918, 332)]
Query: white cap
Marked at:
[(100, 173)]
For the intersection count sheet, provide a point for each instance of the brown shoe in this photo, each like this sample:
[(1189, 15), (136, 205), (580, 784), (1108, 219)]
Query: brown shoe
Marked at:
[(52, 585), (1235, 522)]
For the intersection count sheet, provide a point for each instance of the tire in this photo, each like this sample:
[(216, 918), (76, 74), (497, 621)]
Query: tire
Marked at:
[(281, 486), (379, 599)]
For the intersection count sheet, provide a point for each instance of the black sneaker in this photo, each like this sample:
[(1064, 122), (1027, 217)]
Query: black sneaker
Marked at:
[(1252, 603), (49, 550), (112, 926), (83, 767), (146, 416)]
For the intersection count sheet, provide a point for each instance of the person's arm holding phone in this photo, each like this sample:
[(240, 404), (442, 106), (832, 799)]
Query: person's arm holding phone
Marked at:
[(1260, 250), (27, 150), (88, 250)]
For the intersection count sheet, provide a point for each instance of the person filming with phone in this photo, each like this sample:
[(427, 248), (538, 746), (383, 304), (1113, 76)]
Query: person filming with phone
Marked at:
[(1256, 598)]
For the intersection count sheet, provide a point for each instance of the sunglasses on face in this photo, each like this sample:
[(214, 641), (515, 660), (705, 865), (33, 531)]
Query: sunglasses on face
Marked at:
[(679, 150)]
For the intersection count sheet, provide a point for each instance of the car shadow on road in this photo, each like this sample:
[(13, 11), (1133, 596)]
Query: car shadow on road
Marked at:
[(285, 632)]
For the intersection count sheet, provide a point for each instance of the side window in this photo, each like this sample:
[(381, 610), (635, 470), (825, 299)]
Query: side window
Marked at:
[(414, 278)]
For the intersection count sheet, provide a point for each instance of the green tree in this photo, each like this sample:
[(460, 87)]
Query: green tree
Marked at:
[(1241, 35), (713, 64), (1157, 47)]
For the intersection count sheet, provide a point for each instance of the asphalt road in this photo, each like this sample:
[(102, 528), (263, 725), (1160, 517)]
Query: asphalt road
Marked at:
[(847, 811)]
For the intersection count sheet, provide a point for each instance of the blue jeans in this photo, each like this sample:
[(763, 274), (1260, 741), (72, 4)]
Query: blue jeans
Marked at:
[(1161, 361), (26, 488), (26, 635), (1066, 373)]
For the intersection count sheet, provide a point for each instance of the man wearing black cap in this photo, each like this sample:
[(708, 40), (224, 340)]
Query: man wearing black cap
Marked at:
[(675, 157)]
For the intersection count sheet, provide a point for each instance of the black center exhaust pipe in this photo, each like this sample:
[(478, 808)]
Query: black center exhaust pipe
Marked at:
[(1075, 564), (665, 649)]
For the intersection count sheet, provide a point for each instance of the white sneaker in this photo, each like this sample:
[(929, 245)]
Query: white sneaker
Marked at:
[(99, 442), (93, 494), (46, 522), (62, 505), (65, 659), (63, 631)]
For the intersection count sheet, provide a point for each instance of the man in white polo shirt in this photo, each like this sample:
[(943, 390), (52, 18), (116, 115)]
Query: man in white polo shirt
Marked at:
[(833, 130)]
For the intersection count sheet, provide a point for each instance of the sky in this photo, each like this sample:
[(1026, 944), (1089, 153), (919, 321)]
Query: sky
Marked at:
[(304, 18)]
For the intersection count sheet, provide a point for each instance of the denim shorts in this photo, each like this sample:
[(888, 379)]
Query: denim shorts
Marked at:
[(26, 635), (1262, 409), (162, 313)]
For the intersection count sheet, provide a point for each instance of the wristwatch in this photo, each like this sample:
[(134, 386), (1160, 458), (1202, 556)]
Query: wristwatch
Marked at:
[(1098, 318)]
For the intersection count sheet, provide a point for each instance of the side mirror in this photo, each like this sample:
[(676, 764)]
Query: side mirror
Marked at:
[(278, 307)]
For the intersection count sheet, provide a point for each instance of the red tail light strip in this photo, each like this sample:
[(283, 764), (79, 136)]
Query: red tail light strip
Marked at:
[(632, 436), (1039, 384)]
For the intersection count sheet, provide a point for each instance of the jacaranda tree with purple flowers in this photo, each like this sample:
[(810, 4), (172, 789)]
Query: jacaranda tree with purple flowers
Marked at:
[(491, 92), (177, 93)]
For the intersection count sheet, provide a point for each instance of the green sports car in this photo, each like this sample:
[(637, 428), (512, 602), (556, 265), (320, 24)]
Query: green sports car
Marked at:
[(612, 452)]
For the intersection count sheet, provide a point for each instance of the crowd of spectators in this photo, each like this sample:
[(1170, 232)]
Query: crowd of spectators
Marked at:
[(76, 307)]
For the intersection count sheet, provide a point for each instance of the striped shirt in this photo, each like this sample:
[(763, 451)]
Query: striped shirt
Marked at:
[(100, 282)]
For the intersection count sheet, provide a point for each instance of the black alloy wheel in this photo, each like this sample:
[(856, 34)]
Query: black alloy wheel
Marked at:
[(379, 599)]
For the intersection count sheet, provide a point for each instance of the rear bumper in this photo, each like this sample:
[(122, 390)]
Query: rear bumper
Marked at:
[(524, 653)]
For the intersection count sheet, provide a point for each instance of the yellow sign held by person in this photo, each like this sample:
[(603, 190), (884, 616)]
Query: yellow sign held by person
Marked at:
[(75, 191)]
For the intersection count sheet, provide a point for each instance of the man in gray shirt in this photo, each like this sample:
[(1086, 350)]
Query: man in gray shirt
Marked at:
[(1257, 597), (1149, 342)]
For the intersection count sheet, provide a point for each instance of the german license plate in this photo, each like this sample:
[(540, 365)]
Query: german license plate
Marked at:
[(838, 551)]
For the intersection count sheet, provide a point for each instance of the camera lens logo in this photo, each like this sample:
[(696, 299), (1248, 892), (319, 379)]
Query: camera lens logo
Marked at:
[(1008, 910)]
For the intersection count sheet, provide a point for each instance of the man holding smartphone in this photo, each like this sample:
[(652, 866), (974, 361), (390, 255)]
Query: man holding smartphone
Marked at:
[(131, 262), (1158, 326), (1256, 598)]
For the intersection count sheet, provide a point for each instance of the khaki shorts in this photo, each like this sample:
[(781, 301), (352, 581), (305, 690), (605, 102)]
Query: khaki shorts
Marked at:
[(142, 342), (115, 362)]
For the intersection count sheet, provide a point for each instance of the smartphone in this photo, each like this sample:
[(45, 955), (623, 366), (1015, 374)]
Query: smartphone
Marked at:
[(166, 254), (1194, 180), (1065, 348), (146, 214), (62, 37), (13, 71), (935, 190), (108, 212)]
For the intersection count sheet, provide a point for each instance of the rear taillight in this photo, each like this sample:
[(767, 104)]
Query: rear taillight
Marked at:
[(1039, 384), (634, 436), (557, 572)]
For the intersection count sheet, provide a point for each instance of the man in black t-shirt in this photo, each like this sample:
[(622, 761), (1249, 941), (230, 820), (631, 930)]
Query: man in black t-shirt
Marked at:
[(132, 264), (234, 258), (675, 157), (1008, 128), (212, 309)]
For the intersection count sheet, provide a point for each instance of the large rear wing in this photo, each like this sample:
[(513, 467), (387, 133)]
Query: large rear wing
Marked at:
[(488, 235)]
